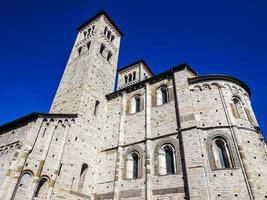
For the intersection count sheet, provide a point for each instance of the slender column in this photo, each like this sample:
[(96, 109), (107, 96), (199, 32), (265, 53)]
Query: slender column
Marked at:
[(119, 160), (58, 161), (247, 181), (39, 170), (148, 144)]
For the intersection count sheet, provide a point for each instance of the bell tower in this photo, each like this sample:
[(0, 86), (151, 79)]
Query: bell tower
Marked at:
[(91, 69)]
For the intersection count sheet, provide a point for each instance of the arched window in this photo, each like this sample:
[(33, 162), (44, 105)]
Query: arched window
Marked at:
[(93, 27), (133, 165), (84, 33), (239, 108), (23, 185), (102, 48), (89, 31), (112, 38), (42, 188), (82, 176), (109, 56), (126, 78), (134, 75), (221, 153), (166, 159), (162, 95)]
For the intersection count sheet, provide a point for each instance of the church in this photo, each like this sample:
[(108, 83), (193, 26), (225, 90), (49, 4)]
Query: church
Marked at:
[(171, 136)]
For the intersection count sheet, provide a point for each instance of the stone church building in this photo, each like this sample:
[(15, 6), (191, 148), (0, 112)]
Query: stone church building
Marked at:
[(171, 136)]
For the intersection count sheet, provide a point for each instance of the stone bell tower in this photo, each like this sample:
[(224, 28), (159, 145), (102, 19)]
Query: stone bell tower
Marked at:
[(91, 69), (89, 76)]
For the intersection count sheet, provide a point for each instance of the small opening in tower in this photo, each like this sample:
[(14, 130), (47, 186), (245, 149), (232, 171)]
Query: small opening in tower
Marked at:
[(80, 50), (134, 76), (112, 38), (88, 45), (96, 106), (102, 48), (109, 56)]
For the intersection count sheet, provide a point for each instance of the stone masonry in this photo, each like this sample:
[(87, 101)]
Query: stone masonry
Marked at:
[(83, 148)]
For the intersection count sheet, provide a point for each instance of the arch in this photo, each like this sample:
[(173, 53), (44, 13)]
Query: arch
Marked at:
[(133, 162), (221, 154), (83, 173), (238, 108), (23, 185), (42, 187), (84, 33), (89, 31), (108, 34), (224, 151), (126, 78), (167, 157)]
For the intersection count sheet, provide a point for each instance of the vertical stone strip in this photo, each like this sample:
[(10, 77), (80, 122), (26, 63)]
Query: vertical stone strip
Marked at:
[(244, 170), (119, 160), (148, 144), (39, 170), (58, 161)]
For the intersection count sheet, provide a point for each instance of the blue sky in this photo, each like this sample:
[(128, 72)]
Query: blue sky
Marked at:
[(213, 37)]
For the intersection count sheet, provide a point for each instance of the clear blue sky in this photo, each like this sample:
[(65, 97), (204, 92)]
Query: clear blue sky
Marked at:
[(225, 37)]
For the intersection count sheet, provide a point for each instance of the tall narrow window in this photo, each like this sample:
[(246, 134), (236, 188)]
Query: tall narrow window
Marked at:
[(166, 160), (109, 56), (130, 77), (23, 186), (112, 38), (169, 160), (133, 166), (164, 93), (42, 188), (126, 78), (84, 33), (89, 31), (108, 34), (82, 176), (88, 45), (134, 75), (93, 27), (239, 108), (96, 106), (221, 153), (105, 31), (137, 104), (80, 50), (102, 48)]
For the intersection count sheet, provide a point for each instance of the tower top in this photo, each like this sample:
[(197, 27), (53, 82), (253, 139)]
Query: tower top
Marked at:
[(102, 12)]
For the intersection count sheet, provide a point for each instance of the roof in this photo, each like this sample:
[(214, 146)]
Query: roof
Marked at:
[(135, 63), (30, 117), (102, 12), (221, 77)]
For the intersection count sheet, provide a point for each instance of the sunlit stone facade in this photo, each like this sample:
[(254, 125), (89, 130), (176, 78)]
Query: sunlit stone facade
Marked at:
[(175, 135)]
